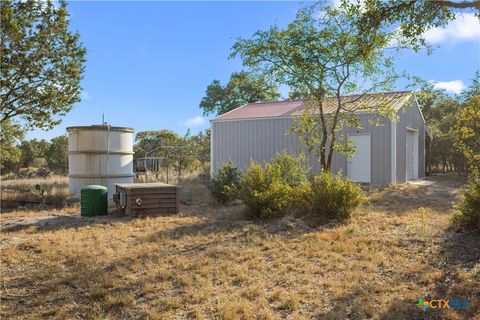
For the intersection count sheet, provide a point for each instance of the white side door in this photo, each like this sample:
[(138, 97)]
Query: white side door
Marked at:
[(359, 166), (411, 156)]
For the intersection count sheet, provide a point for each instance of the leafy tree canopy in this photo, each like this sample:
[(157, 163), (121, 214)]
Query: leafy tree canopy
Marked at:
[(320, 55), (42, 63), (150, 141), (57, 154), (28, 155), (17, 153), (439, 110), (181, 152), (473, 90), (10, 154), (201, 145), (242, 88), (39, 147), (466, 130), (413, 17)]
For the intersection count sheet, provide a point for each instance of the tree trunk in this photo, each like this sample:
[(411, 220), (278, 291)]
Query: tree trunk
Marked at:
[(429, 156), (323, 144), (333, 138)]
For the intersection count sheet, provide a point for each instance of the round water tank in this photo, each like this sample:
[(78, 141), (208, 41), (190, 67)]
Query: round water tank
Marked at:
[(99, 155)]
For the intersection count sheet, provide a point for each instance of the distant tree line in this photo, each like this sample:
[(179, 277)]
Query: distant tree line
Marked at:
[(51, 155), (447, 123), (179, 153), (171, 151)]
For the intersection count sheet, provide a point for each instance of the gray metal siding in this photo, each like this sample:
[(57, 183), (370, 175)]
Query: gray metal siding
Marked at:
[(380, 148), (243, 141), (410, 117)]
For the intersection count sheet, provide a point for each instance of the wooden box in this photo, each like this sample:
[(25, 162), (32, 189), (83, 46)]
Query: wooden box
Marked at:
[(148, 198)]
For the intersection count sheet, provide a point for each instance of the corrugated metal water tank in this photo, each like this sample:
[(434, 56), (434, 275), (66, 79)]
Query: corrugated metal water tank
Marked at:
[(99, 155)]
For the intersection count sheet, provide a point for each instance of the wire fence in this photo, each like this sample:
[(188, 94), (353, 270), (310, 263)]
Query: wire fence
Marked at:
[(173, 161)]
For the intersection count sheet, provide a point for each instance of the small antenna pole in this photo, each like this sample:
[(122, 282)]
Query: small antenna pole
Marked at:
[(103, 118)]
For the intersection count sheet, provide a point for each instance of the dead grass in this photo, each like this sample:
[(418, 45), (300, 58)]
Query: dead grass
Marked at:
[(193, 185), (56, 189), (212, 263)]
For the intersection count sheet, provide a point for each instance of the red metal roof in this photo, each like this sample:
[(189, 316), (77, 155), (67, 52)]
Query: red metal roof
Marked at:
[(287, 108)]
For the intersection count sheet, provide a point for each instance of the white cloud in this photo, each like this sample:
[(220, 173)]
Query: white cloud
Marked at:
[(335, 3), (85, 95), (465, 27), (194, 121), (338, 3), (455, 86)]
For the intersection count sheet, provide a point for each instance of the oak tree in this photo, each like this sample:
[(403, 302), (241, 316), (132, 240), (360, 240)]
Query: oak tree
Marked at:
[(411, 17), (242, 88), (323, 54), (466, 130), (10, 154), (57, 154), (42, 63)]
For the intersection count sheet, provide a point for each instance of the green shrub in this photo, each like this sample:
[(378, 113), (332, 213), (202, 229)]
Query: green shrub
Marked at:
[(225, 186), (282, 187), (335, 197), (276, 189), (469, 207)]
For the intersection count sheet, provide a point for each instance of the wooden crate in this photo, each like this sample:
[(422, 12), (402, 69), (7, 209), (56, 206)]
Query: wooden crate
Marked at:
[(149, 198)]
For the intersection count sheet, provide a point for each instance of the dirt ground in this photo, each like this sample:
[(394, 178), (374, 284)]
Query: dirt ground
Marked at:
[(210, 262)]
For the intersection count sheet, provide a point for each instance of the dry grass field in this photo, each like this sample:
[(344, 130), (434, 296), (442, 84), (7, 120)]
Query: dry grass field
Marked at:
[(209, 262), (22, 191), (55, 187)]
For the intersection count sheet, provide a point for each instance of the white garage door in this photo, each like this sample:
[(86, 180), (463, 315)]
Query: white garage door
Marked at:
[(359, 166), (411, 156)]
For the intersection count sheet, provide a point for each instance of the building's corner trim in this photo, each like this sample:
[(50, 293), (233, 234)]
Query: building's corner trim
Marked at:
[(419, 109), (211, 149), (393, 142)]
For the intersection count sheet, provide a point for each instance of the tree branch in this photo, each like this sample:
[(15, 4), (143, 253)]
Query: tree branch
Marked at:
[(461, 5)]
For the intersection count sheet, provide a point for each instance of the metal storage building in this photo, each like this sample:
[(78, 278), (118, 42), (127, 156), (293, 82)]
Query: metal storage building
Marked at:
[(387, 152)]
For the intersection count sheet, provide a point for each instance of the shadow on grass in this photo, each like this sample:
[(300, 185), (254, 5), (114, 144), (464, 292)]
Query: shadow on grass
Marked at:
[(80, 285), (225, 221), (52, 223), (438, 193)]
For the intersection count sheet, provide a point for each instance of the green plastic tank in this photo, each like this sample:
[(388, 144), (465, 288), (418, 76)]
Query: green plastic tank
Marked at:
[(93, 201)]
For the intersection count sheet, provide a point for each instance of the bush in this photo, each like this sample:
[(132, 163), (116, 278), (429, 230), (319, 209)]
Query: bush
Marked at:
[(469, 208), (276, 189), (335, 197), (225, 186), (282, 187), (194, 188)]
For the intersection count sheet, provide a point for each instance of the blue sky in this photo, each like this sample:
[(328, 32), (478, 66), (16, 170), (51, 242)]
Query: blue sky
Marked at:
[(149, 63)]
